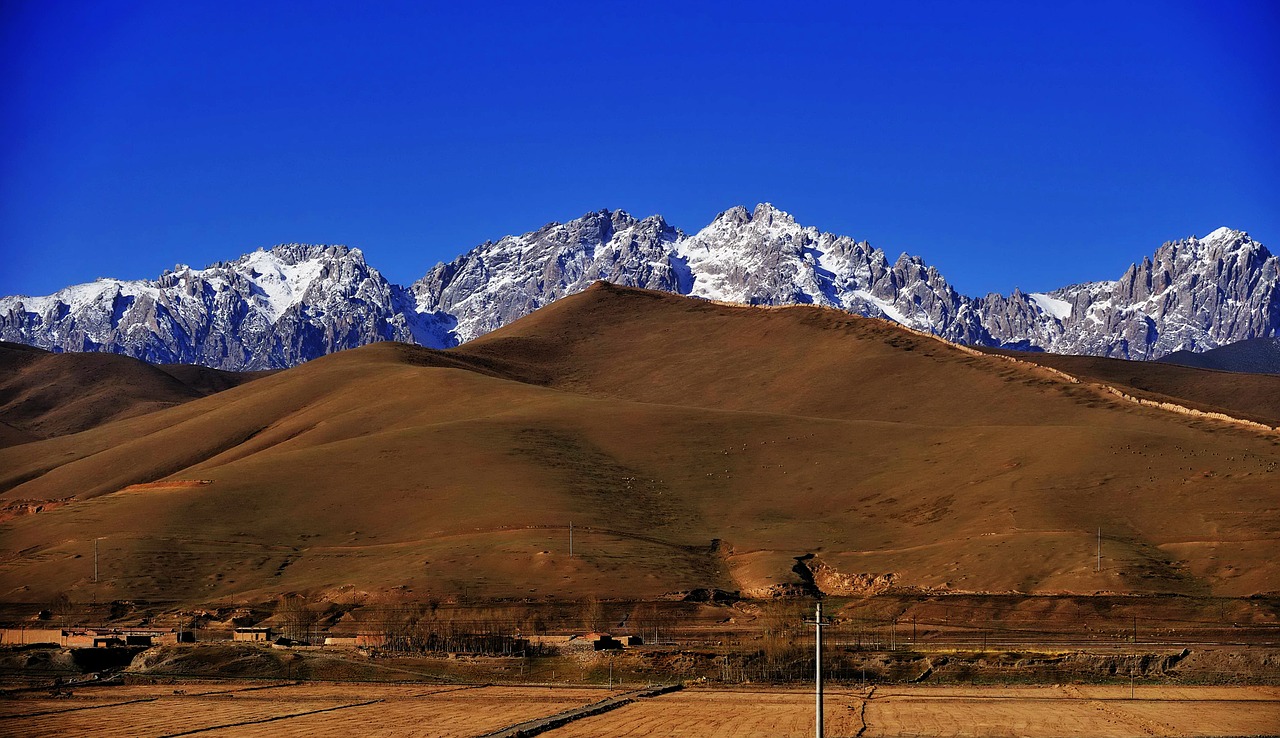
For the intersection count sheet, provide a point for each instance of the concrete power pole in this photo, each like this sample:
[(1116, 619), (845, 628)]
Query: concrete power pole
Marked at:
[(1099, 549), (571, 539), (818, 625)]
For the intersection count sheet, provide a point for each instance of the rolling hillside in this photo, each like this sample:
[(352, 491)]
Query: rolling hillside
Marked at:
[(44, 394), (691, 444)]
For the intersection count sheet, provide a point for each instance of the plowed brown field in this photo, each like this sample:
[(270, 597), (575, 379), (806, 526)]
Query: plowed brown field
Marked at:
[(300, 710), (369, 710)]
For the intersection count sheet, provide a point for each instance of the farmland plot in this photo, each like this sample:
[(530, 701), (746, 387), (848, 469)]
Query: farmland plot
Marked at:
[(459, 713), (738, 714), (288, 710), (1106, 712), (441, 711), (154, 717)]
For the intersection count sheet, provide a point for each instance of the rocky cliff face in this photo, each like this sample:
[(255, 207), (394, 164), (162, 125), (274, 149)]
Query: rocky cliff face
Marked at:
[(1193, 295), (761, 257), (496, 283), (292, 303), (764, 257), (264, 310)]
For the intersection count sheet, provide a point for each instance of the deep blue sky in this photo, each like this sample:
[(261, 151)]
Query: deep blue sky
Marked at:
[(1011, 144)]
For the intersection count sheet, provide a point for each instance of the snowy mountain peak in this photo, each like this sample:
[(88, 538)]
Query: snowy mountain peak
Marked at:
[(1223, 244), (736, 215), (294, 253), (283, 305), (1225, 234), (764, 215), (769, 214), (1193, 294), (269, 308), (495, 283)]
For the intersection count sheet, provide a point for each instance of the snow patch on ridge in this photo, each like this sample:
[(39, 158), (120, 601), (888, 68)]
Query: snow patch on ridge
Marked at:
[(283, 284), (1060, 309)]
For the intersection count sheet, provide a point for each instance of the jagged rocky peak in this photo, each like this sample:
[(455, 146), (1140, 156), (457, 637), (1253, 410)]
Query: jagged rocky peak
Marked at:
[(762, 256), (289, 254), (498, 282), (281, 306), (294, 253), (764, 215), (1228, 238), (1224, 244), (767, 215), (1192, 294), (270, 308), (736, 215)]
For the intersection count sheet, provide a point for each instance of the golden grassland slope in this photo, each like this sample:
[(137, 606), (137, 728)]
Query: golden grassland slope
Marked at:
[(44, 394), (691, 444)]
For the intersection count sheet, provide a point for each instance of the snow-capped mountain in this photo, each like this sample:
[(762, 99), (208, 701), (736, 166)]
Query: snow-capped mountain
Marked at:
[(1194, 295), (292, 303), (765, 257), (762, 257), (496, 283), (267, 309)]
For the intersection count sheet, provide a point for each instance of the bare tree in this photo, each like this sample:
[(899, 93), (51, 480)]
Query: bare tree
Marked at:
[(61, 608), (295, 617), (593, 618), (780, 623)]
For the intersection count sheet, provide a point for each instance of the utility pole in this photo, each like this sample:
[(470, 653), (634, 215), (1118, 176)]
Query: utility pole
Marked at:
[(95, 561), (571, 539), (817, 666), (1099, 549), (818, 625)]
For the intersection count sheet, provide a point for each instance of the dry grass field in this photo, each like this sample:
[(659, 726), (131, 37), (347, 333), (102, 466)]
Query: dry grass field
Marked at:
[(692, 445), (1104, 712), (303, 710), (737, 714), (366, 710), (43, 394)]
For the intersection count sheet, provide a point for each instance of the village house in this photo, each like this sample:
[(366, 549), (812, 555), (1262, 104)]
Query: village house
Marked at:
[(261, 635), (602, 641), (90, 637)]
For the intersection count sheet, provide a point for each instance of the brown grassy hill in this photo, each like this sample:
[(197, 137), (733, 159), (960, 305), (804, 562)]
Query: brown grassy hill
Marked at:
[(1250, 396), (44, 394), (206, 380), (691, 445)]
